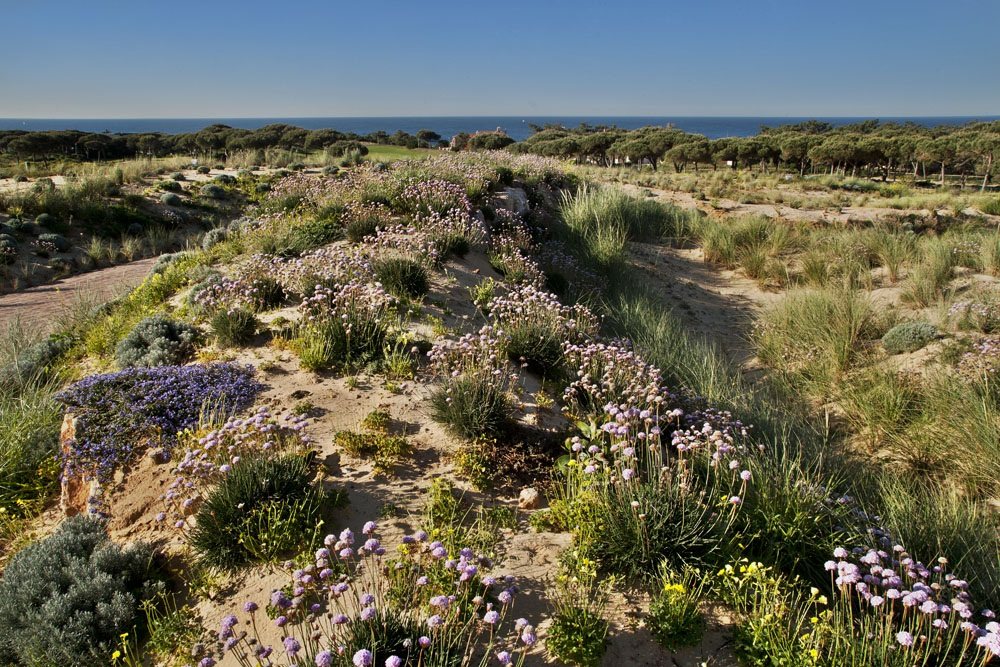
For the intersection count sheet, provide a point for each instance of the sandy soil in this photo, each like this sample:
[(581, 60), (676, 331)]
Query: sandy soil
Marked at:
[(41, 307)]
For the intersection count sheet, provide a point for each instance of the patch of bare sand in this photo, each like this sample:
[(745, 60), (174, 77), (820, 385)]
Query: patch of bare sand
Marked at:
[(715, 304)]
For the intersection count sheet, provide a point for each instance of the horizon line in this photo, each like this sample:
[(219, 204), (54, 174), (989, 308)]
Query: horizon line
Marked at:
[(523, 116)]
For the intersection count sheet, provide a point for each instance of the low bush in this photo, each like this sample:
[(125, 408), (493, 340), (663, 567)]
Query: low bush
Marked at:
[(119, 413), (263, 509), (402, 276), (234, 327), (204, 169), (213, 237), (171, 199), (908, 337), (67, 599), (212, 191), (361, 227), (60, 242), (157, 341), (166, 259), (177, 176), (170, 186)]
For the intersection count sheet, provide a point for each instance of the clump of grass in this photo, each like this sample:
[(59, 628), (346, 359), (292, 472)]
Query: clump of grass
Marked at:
[(263, 509), (931, 276), (234, 327), (402, 276), (815, 334), (601, 221), (473, 405)]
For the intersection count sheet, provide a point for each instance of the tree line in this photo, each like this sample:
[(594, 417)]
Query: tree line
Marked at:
[(869, 148), (215, 141)]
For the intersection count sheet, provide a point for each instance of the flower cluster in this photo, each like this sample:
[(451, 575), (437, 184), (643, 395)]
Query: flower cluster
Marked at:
[(120, 414), (253, 285), (357, 605), (924, 608), (982, 314), (982, 362), (434, 196), (528, 304), (210, 455), (476, 351), (611, 373), (350, 302)]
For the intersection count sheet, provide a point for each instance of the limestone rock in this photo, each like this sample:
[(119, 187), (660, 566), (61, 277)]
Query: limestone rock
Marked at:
[(529, 499)]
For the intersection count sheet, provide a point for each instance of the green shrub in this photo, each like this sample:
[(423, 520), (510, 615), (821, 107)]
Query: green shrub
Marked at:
[(170, 186), (351, 341), (473, 405), (263, 509), (402, 276), (908, 337), (177, 176), (213, 237), (234, 328), (674, 618), (44, 220), (212, 191), (170, 199), (157, 341), (225, 179), (204, 169), (61, 243), (66, 599)]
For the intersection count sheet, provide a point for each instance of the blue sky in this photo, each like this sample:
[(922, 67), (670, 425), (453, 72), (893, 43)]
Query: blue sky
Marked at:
[(110, 58)]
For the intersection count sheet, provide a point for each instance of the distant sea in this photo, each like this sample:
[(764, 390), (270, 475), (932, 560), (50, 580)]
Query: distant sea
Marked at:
[(517, 127)]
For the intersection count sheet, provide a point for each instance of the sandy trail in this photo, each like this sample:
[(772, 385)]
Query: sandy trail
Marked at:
[(41, 307)]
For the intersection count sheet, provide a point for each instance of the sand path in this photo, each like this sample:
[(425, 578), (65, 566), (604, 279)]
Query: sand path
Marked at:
[(41, 307)]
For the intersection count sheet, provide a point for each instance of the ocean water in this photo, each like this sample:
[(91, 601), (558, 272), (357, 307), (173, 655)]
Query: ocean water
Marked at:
[(517, 127)]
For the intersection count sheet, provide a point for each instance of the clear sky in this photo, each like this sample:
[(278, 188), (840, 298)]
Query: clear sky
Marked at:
[(205, 58)]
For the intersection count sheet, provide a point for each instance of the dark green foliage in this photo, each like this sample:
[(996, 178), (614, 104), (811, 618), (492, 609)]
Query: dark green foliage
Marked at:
[(225, 179), (402, 276), (45, 220), (177, 176), (315, 232), (263, 509), (157, 341), (234, 328), (170, 199), (61, 243), (473, 405), (908, 337), (204, 169), (65, 600)]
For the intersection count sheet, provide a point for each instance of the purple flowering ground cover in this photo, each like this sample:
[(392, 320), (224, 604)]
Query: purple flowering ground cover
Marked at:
[(118, 413)]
